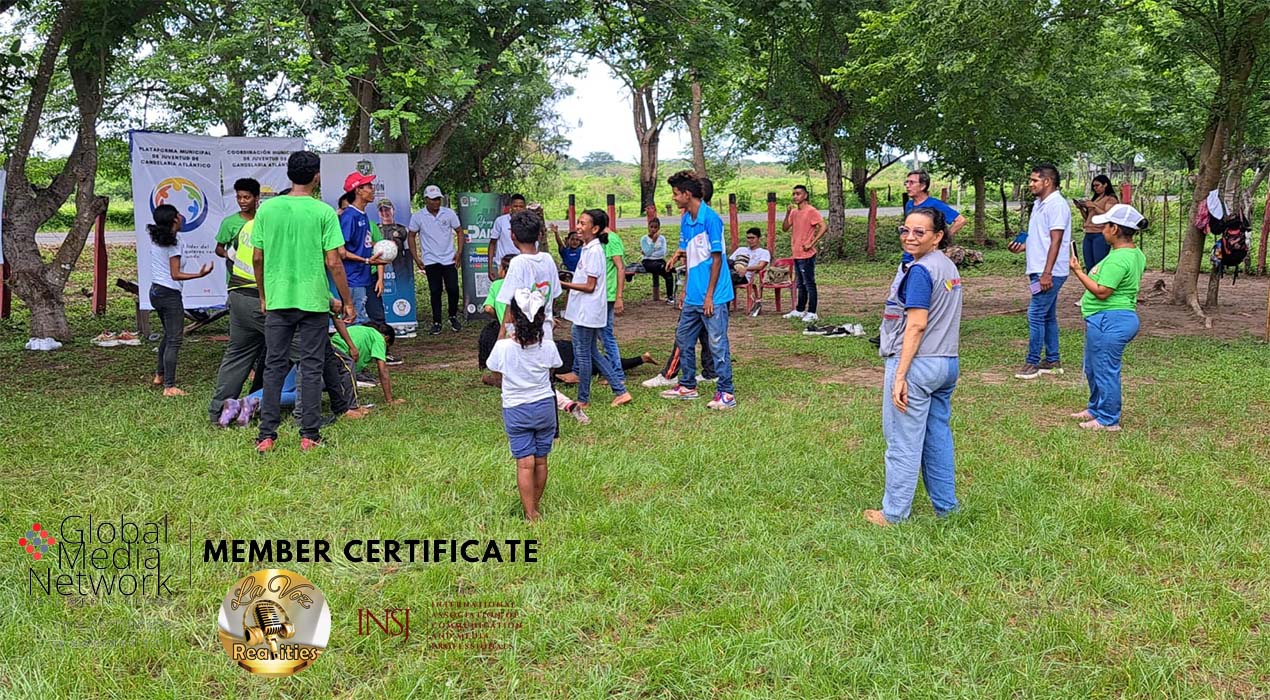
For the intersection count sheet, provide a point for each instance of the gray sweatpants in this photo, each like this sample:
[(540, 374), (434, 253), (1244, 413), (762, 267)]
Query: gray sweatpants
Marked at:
[(245, 350)]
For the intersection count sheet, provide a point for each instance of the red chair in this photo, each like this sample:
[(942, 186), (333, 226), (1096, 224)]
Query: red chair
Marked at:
[(791, 284)]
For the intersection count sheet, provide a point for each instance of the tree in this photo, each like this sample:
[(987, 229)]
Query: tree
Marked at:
[(595, 158), (93, 34)]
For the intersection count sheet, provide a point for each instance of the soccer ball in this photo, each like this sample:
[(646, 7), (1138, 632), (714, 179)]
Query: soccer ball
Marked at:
[(386, 250)]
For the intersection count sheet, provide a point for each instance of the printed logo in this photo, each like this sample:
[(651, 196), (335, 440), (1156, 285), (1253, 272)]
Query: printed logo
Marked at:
[(401, 307), (274, 623), (186, 197), (365, 167), (952, 284), (37, 541)]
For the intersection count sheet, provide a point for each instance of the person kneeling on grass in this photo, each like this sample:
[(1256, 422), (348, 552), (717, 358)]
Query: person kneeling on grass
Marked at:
[(529, 403), (372, 341), (1110, 310)]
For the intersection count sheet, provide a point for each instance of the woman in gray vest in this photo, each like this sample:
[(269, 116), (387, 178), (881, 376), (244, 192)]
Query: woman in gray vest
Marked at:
[(921, 325)]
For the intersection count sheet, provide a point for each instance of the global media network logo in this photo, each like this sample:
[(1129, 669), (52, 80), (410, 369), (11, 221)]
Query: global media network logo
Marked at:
[(185, 196), (37, 541)]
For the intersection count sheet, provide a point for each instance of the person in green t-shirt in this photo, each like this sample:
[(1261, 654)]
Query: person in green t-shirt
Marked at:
[(1110, 309), (372, 341), (246, 348), (615, 279), (298, 241), (489, 334)]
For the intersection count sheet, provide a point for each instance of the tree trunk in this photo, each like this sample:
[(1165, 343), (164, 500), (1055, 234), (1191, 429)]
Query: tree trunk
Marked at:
[(648, 131), (981, 209), (694, 131), (837, 197)]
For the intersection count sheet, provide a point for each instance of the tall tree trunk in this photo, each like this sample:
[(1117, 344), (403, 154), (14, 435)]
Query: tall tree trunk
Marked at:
[(648, 126), (981, 209), (694, 130), (837, 197)]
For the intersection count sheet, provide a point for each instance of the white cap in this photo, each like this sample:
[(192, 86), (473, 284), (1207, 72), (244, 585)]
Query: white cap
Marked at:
[(1120, 215), (432, 192)]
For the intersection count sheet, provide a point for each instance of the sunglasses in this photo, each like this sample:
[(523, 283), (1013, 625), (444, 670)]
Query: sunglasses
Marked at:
[(906, 232)]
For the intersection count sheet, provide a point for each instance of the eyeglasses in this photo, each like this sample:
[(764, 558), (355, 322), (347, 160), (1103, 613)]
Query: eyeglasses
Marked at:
[(906, 232)]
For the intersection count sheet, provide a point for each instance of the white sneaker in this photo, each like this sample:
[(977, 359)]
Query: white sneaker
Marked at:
[(810, 318), (794, 314), (658, 380), (701, 379)]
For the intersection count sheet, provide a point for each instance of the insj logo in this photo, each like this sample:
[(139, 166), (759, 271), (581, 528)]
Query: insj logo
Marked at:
[(186, 197)]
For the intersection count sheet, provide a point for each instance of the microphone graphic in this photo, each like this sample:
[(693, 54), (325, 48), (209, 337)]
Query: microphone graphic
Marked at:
[(271, 625)]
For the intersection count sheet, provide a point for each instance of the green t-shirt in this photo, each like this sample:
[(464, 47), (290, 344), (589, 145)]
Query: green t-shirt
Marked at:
[(1121, 270), (294, 233), (370, 345), (492, 299), (613, 247), (227, 235)]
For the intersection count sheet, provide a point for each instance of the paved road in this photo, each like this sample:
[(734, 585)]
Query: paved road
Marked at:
[(129, 238)]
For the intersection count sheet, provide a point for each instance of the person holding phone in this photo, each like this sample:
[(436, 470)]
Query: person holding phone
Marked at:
[(1049, 231), (1103, 197)]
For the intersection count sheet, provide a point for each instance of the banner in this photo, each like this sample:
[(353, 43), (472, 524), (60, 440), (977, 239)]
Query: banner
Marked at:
[(392, 182), (477, 211), (183, 171), (2, 186), (262, 159)]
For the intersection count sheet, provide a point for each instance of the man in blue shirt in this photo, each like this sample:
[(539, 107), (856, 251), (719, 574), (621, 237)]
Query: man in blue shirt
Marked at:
[(917, 185), (358, 245), (706, 296)]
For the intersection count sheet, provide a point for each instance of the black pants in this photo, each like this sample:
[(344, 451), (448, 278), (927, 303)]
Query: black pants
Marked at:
[(337, 379), (374, 304), (438, 275), (281, 326), (565, 348), (671, 370), (167, 303), (657, 268)]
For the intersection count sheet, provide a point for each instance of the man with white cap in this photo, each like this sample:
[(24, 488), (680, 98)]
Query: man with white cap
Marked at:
[(436, 252)]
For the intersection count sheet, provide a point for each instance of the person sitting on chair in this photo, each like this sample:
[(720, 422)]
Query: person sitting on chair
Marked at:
[(748, 262)]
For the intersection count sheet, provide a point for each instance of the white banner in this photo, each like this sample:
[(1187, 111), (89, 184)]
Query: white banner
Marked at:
[(2, 186), (392, 182), (263, 159), (196, 175)]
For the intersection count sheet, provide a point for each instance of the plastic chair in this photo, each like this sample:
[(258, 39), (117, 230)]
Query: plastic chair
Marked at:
[(791, 285)]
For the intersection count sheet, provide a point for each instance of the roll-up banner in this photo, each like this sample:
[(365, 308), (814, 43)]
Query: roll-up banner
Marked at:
[(477, 211), (392, 182)]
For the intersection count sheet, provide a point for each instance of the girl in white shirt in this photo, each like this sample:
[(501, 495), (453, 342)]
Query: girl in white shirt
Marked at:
[(165, 292), (587, 309), (525, 360)]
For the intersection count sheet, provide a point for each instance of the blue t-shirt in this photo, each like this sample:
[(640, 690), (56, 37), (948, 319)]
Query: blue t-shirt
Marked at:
[(570, 257), (700, 239), (915, 289), (950, 214), (355, 226)]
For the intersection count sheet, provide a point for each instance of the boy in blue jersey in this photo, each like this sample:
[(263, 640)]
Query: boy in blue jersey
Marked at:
[(706, 296)]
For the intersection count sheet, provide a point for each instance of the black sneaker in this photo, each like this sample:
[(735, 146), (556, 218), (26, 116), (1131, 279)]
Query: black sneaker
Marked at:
[(836, 332), (813, 329), (455, 325), (390, 359), (436, 329), (366, 380)]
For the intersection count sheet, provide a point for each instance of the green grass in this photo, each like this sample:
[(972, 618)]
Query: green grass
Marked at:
[(684, 554)]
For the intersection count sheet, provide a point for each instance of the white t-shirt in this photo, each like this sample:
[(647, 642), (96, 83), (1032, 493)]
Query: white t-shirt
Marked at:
[(436, 235), (526, 371), (161, 268), (590, 310), (500, 236), (756, 256), (537, 271), (1049, 214)]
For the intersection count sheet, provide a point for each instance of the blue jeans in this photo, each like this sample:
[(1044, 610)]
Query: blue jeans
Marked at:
[(584, 356), (358, 295), (1042, 322), (691, 320), (1093, 249), (920, 439), (608, 343), (1106, 335), (374, 305), (805, 274)]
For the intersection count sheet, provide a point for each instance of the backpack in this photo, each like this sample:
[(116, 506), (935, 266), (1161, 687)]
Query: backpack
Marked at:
[(1231, 247)]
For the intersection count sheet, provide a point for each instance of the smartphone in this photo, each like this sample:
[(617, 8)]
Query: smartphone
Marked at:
[(1075, 253), (1021, 238)]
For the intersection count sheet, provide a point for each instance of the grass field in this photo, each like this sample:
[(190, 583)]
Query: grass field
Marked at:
[(684, 554)]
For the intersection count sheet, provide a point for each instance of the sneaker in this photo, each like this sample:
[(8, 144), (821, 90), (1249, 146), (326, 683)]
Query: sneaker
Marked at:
[(702, 378), (575, 409), (1047, 367), (455, 325), (756, 308), (670, 302), (658, 380), (810, 317), (1095, 425), (436, 329), (307, 444), (876, 340), (680, 392), (813, 329), (106, 339), (722, 401), (263, 445), (794, 314), (248, 407), (228, 412), (128, 338), (1028, 372), (390, 359), (839, 332), (366, 381)]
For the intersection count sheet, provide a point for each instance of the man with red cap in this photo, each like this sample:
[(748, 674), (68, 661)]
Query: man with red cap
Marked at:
[(359, 244)]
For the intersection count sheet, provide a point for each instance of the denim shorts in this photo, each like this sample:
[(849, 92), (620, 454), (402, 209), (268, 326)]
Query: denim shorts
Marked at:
[(531, 427)]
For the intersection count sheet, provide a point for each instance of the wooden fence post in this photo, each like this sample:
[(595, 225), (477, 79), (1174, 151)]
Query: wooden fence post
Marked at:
[(870, 246), (99, 264), (573, 213), (771, 223), (733, 222)]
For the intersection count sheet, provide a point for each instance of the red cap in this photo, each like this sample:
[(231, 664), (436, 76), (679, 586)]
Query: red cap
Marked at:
[(355, 180)]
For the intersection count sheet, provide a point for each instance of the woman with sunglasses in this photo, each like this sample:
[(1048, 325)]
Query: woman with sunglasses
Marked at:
[(921, 326)]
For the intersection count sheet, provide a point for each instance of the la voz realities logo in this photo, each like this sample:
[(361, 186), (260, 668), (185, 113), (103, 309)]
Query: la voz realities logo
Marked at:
[(274, 622), (185, 196)]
